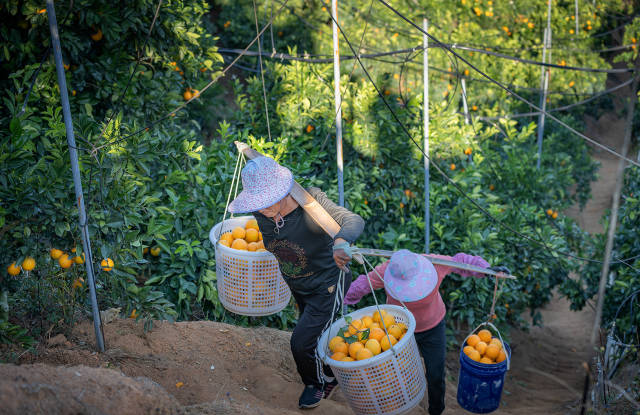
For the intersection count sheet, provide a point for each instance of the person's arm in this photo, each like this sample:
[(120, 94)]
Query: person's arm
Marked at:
[(351, 224), (462, 258), (360, 287)]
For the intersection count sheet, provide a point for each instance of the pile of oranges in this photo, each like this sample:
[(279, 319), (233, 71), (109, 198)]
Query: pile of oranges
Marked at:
[(248, 238), (366, 337), (484, 348)]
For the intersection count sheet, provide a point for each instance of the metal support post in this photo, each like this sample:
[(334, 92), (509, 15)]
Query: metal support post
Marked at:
[(338, 100), (546, 73), (425, 130), (75, 170)]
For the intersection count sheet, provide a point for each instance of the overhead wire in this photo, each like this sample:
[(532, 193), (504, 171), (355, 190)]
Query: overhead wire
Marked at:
[(509, 91), (439, 169)]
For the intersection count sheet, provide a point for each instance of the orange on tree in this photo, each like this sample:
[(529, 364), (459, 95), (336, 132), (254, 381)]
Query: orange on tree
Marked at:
[(28, 264), (187, 95), (155, 251), (555, 215), (107, 264), (133, 314), (97, 36), (195, 93), (238, 233), (79, 259), (354, 348), (485, 335), (145, 250), (13, 269), (452, 166), (251, 235), (77, 283), (64, 261), (55, 253), (468, 151), (240, 244)]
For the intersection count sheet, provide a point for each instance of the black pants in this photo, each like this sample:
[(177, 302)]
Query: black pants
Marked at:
[(432, 344), (315, 313)]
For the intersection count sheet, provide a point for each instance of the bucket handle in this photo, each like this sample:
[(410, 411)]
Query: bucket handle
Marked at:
[(487, 323)]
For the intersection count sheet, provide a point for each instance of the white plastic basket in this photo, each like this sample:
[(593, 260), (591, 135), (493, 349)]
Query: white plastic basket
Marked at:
[(384, 384), (249, 283)]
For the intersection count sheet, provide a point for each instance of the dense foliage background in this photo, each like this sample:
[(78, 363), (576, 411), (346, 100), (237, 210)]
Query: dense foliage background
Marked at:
[(167, 186)]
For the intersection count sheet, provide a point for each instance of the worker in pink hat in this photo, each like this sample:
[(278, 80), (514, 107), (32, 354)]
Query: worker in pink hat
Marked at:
[(413, 280), (310, 261)]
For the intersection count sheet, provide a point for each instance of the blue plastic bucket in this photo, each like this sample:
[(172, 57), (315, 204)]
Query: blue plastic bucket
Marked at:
[(480, 385)]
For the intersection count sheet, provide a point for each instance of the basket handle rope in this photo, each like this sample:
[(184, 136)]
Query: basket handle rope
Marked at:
[(338, 301), (235, 180), (366, 273)]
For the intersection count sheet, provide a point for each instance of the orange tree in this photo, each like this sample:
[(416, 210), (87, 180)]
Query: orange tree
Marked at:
[(384, 181), (141, 191)]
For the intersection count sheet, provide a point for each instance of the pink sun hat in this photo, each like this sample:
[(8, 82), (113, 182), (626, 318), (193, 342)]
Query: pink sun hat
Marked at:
[(264, 183), (409, 277)]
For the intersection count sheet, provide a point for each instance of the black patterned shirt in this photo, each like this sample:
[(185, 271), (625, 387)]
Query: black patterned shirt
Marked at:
[(303, 249)]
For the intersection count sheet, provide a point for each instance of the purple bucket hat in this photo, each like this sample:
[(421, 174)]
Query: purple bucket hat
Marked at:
[(409, 277), (264, 183)]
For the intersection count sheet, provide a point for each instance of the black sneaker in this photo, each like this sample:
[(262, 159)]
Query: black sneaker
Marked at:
[(311, 397), (329, 388)]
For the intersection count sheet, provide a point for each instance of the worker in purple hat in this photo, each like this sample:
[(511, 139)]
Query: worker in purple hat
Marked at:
[(310, 261), (412, 280)]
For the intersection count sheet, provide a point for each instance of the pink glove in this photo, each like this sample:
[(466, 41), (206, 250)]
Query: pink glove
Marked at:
[(470, 260), (358, 289)]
